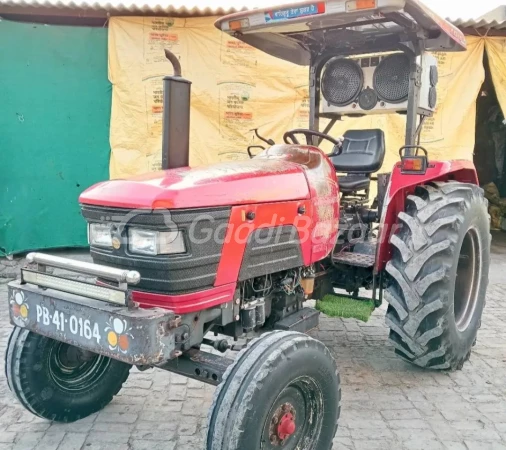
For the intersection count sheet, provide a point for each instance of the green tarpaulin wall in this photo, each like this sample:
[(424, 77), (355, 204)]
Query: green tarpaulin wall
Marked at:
[(55, 105)]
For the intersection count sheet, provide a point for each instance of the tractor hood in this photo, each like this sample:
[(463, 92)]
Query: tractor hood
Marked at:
[(222, 184)]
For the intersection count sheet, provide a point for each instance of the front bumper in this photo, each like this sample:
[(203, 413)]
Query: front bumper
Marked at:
[(132, 335)]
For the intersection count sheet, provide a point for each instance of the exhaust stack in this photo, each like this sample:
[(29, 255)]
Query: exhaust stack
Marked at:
[(176, 118)]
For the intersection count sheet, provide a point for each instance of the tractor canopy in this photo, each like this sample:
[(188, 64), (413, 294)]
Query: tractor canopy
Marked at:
[(299, 31)]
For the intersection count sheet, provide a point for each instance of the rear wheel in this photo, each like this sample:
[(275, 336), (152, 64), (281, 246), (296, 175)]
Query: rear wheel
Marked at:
[(283, 391), (58, 381), (439, 275)]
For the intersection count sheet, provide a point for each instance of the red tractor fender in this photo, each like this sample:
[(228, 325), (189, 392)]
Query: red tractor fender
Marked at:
[(402, 185)]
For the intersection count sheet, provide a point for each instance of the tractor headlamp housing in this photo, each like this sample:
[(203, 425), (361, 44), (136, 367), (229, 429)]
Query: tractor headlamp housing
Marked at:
[(99, 235), (151, 242)]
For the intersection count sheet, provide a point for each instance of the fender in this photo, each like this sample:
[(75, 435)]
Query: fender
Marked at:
[(402, 185)]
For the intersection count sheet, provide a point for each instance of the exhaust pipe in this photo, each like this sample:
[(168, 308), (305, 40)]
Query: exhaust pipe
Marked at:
[(176, 118)]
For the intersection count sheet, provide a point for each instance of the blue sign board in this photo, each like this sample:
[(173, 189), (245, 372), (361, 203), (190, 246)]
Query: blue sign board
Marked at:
[(295, 12)]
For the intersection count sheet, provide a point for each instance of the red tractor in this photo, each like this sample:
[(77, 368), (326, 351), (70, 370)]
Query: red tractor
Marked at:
[(185, 258)]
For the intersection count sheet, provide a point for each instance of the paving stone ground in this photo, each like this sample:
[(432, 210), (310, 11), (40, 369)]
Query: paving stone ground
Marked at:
[(387, 404)]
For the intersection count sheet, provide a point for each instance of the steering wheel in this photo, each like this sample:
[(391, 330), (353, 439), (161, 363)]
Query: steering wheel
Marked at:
[(289, 138)]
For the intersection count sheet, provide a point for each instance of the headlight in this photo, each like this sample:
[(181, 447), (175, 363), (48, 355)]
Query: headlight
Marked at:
[(147, 242), (99, 235)]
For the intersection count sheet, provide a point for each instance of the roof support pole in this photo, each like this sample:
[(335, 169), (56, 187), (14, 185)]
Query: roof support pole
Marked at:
[(415, 84), (314, 96)]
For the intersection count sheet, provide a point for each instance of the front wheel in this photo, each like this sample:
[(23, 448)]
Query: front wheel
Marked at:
[(283, 391), (57, 381), (439, 275)]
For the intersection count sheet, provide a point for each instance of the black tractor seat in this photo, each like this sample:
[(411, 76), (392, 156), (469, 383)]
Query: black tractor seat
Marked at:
[(363, 154)]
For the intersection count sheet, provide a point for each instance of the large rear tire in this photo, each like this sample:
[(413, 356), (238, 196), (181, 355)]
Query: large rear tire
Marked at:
[(283, 391), (439, 275), (57, 381)]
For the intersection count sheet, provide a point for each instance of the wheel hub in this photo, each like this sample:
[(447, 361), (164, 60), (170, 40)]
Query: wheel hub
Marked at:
[(73, 369), (286, 427), (73, 356), (282, 424)]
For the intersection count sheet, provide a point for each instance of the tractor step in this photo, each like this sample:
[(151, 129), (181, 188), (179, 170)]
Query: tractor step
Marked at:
[(302, 321), (354, 259)]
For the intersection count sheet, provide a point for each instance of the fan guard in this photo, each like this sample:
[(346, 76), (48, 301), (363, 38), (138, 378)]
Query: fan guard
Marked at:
[(391, 78), (342, 82)]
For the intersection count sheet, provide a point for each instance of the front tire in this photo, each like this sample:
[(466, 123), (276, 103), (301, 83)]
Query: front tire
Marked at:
[(283, 391), (57, 381), (439, 275)]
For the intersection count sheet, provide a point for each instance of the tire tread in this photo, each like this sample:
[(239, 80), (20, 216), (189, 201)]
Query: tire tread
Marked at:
[(267, 348), (20, 341), (419, 283)]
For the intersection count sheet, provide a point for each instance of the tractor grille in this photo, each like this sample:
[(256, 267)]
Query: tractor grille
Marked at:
[(169, 274)]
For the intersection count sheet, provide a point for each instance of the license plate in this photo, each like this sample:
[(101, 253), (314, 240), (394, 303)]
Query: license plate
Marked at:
[(312, 9), (135, 336), (62, 322)]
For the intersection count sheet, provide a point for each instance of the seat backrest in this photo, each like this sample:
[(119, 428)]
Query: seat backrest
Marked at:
[(363, 152)]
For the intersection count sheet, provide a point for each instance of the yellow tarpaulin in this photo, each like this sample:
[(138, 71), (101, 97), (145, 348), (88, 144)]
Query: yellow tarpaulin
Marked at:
[(237, 88)]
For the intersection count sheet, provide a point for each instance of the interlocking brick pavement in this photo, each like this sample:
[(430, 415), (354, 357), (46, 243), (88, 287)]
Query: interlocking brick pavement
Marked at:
[(387, 404)]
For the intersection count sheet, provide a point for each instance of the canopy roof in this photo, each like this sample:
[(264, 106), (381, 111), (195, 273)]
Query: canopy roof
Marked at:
[(294, 32)]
